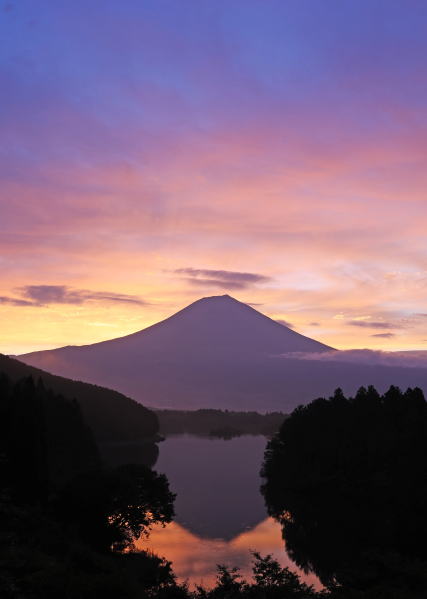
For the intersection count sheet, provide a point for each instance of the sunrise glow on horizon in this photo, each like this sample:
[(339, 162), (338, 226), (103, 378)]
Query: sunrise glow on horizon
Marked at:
[(157, 152)]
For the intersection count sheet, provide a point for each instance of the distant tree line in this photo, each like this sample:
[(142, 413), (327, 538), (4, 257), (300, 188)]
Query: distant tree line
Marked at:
[(218, 423)]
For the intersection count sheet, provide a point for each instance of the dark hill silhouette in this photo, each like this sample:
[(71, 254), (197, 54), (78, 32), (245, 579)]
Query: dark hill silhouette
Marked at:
[(217, 353), (111, 416), (44, 441)]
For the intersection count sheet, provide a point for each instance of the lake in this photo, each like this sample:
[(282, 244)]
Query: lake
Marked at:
[(220, 512)]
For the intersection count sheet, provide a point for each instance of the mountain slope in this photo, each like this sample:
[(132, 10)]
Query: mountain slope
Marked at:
[(110, 415), (217, 353), (207, 325), (180, 361)]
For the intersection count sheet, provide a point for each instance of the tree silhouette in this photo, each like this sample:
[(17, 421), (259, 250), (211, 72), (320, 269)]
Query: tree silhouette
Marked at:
[(44, 440), (347, 479), (110, 508), (63, 513)]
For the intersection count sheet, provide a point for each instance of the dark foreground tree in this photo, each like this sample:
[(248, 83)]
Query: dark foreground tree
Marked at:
[(64, 517), (347, 479), (44, 440), (109, 509), (270, 581)]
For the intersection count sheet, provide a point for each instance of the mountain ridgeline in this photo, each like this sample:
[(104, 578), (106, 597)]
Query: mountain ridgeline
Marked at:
[(111, 416), (218, 353)]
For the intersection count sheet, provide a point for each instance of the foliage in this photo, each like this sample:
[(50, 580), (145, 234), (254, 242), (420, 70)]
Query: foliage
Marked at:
[(270, 581), (44, 440), (63, 516), (110, 508), (39, 561), (347, 479)]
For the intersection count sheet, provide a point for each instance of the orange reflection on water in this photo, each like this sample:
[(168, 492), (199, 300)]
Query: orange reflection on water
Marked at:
[(194, 558)]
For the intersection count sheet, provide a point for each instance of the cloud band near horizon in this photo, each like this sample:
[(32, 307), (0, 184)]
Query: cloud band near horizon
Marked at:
[(45, 295)]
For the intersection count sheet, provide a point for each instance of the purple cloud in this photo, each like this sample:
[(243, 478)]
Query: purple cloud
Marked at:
[(12, 301), (410, 359), (370, 324), (43, 295), (384, 335), (225, 279)]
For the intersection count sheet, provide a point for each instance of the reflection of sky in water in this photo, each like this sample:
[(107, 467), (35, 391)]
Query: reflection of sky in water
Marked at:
[(220, 513), (195, 558)]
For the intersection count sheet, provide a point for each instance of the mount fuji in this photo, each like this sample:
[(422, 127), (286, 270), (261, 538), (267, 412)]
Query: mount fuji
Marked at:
[(217, 353)]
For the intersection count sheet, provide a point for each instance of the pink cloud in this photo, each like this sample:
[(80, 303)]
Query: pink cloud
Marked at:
[(132, 163)]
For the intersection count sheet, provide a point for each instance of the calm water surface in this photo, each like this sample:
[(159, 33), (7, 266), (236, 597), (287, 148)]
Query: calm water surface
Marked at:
[(220, 512)]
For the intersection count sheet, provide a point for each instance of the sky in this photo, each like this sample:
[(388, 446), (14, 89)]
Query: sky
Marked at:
[(157, 151)]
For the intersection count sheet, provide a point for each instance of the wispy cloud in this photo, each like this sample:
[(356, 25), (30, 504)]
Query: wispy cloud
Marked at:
[(13, 301), (384, 335), (44, 295), (370, 324), (225, 279), (411, 359)]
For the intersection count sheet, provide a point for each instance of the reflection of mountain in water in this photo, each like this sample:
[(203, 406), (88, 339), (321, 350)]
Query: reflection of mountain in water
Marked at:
[(217, 483)]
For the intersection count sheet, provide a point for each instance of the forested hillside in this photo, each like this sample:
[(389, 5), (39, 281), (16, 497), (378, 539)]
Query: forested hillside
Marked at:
[(110, 415), (65, 516)]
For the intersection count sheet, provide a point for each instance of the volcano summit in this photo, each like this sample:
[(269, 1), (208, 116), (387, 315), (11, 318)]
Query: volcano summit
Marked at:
[(217, 353)]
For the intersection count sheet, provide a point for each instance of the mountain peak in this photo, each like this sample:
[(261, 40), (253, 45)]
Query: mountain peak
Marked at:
[(218, 352), (217, 298), (213, 303), (210, 349)]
